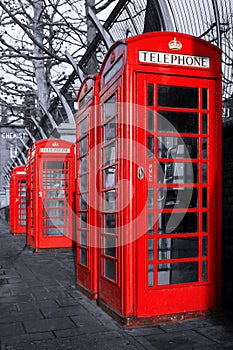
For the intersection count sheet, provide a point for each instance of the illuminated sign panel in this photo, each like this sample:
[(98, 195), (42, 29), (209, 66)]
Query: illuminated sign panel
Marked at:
[(174, 59)]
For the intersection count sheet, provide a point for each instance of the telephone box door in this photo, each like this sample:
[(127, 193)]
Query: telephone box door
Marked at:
[(176, 257), (54, 201)]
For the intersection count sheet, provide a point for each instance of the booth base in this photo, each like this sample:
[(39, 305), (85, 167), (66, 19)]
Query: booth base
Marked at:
[(86, 292), (157, 320)]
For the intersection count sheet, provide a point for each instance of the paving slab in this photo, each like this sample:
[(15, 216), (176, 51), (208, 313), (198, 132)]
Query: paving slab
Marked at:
[(40, 309)]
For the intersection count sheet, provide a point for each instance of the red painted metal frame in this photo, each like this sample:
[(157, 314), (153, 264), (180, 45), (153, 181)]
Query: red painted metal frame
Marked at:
[(129, 296), (18, 200), (86, 233), (44, 159)]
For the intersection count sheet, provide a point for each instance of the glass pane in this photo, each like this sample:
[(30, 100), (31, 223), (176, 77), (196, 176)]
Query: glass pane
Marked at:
[(110, 269), (177, 248), (109, 177), (150, 275), (177, 173), (178, 223), (204, 149), (109, 154), (177, 96), (204, 124), (110, 246), (83, 257), (54, 165), (110, 223), (150, 95), (150, 249), (204, 173), (83, 165), (178, 122), (83, 127), (150, 198), (83, 202), (83, 183), (178, 198), (204, 246), (204, 197), (83, 220), (176, 273), (150, 120), (204, 98), (83, 238), (204, 222), (177, 147), (110, 107), (110, 200), (204, 271), (150, 224), (83, 146), (110, 130), (150, 146)]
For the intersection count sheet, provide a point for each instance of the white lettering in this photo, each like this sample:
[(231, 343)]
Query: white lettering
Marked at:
[(174, 59)]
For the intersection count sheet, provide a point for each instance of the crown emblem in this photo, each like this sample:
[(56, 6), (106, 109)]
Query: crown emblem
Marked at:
[(54, 144), (175, 44)]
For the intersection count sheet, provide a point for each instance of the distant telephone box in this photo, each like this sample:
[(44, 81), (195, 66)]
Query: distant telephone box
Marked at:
[(29, 187), (86, 199), (51, 194), (18, 200), (160, 177)]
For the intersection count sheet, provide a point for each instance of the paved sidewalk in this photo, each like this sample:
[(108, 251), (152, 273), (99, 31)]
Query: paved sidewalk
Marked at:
[(41, 309)]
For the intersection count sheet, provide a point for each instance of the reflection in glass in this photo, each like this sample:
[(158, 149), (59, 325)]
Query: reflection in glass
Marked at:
[(177, 147), (83, 238), (150, 224), (204, 246), (109, 177), (110, 246), (83, 220), (150, 275), (110, 107), (110, 200), (204, 271), (83, 127), (83, 183), (177, 273), (150, 120), (83, 146), (150, 90), (177, 173), (178, 222), (178, 122), (110, 269), (83, 165), (109, 154), (110, 223), (150, 198), (204, 123), (204, 149), (150, 146), (177, 248), (177, 96), (110, 130), (150, 249), (204, 173), (177, 197), (83, 257)]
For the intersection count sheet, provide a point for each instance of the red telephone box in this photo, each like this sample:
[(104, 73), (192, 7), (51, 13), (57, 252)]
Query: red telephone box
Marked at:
[(29, 187), (86, 201), (51, 194), (160, 110), (18, 200)]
